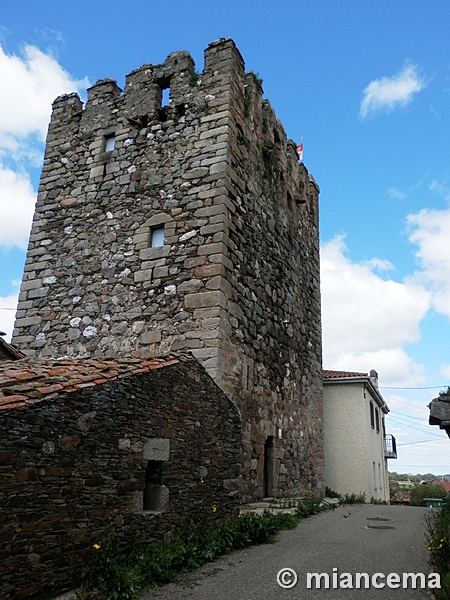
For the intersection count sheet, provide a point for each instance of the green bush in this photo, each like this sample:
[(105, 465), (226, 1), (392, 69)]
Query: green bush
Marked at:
[(347, 498), (354, 498), (438, 546), (107, 576), (425, 490), (110, 576), (329, 493)]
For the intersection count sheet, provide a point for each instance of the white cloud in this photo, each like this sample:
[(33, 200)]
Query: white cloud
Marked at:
[(17, 200), (366, 320), (7, 316), (430, 231), (393, 365), (440, 188), (389, 92), (379, 263), (395, 193), (34, 79)]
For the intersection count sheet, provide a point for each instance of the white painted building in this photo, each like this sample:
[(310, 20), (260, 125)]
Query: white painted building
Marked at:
[(356, 445)]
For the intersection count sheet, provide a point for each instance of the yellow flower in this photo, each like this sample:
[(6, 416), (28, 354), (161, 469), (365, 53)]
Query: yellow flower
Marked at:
[(214, 507), (96, 546)]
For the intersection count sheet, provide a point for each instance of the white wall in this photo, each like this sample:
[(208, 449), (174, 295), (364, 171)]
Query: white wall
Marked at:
[(351, 445)]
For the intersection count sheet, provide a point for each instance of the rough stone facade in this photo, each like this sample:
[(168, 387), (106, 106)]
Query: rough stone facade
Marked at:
[(440, 411), (235, 279), (86, 445)]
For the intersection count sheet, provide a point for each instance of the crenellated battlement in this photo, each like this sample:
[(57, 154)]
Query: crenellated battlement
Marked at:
[(174, 215)]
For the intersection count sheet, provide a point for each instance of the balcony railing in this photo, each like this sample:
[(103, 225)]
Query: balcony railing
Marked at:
[(390, 446)]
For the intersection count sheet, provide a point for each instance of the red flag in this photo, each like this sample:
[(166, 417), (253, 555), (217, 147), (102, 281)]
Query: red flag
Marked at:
[(300, 151)]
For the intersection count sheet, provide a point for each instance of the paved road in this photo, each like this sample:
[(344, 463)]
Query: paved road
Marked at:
[(354, 539)]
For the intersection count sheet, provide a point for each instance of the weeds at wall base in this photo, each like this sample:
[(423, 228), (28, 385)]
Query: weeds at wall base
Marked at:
[(108, 576), (438, 546)]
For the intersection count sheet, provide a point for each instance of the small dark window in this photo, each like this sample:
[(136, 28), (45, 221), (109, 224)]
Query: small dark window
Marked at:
[(157, 237), (377, 419), (180, 110), (292, 214), (155, 494), (372, 416)]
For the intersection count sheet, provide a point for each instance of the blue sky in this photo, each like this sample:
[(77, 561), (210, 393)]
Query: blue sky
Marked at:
[(367, 85)]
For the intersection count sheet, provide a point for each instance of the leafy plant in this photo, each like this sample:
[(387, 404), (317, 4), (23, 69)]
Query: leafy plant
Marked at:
[(106, 575), (111, 576), (377, 501), (329, 493), (347, 498), (427, 490), (193, 78), (308, 506), (438, 546), (354, 498)]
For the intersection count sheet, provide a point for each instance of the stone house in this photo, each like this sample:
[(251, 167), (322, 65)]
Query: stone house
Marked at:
[(141, 445), (186, 225), (356, 444)]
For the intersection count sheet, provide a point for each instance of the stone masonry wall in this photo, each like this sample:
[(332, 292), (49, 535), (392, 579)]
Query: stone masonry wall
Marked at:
[(236, 281), (74, 466), (275, 302)]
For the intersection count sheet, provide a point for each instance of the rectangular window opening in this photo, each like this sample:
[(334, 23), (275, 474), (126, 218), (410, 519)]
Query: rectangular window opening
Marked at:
[(110, 143), (377, 419), (372, 416), (156, 495), (157, 237), (292, 214), (165, 100)]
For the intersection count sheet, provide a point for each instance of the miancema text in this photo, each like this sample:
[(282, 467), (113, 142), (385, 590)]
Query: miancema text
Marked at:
[(337, 580)]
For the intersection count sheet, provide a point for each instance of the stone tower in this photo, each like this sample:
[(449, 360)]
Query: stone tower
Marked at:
[(186, 224)]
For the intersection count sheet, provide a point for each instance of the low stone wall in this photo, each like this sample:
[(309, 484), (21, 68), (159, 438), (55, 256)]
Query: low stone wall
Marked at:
[(142, 454)]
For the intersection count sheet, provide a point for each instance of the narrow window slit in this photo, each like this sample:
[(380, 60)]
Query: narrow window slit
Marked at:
[(157, 237), (155, 494), (165, 100), (110, 142)]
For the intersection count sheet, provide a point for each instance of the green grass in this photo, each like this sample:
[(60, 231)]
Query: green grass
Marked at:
[(110, 576)]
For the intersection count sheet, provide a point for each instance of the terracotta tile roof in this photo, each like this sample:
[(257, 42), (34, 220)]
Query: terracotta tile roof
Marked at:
[(445, 485), (26, 382), (342, 374)]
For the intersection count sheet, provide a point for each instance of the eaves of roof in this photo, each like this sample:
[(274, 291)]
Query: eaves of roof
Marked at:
[(11, 350), (351, 377)]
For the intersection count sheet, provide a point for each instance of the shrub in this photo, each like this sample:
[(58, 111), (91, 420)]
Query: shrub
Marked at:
[(427, 490), (329, 493), (107, 576), (438, 546), (354, 498), (110, 576)]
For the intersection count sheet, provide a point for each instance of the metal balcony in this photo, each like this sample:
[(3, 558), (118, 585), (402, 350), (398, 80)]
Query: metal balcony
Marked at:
[(390, 446)]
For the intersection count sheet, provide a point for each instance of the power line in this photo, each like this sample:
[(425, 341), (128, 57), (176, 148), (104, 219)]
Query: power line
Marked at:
[(403, 424), (425, 466), (397, 412), (419, 442), (402, 401), (7, 308), (430, 387)]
